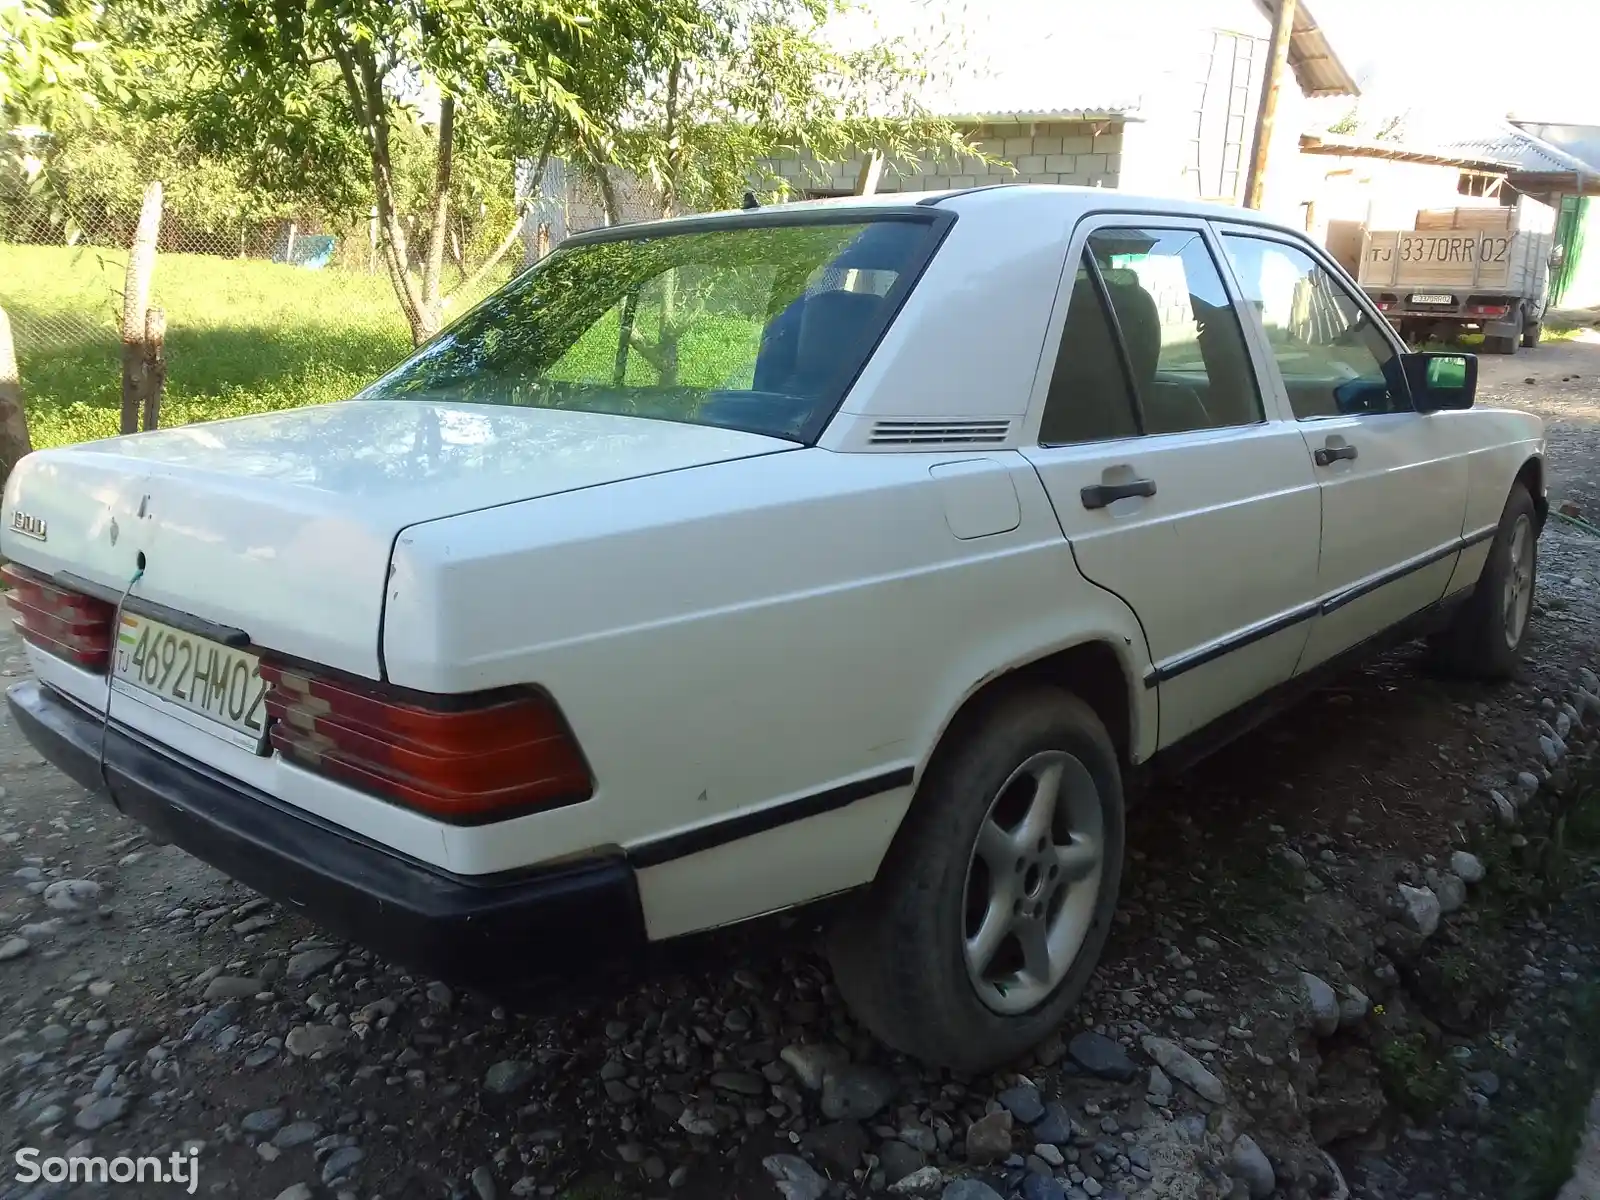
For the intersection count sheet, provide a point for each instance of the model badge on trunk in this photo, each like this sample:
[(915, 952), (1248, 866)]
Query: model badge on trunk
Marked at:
[(30, 526)]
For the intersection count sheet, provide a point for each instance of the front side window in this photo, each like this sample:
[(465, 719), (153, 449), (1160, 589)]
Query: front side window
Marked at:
[(1333, 359), (758, 328)]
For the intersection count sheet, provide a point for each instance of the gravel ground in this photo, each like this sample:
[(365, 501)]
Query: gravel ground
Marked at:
[(1317, 922)]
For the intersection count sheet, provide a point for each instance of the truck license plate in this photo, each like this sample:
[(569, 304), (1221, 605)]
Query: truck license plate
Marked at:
[(219, 689), (1431, 298)]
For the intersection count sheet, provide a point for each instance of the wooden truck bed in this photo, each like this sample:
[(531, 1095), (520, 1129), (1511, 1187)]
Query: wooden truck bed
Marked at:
[(1482, 249)]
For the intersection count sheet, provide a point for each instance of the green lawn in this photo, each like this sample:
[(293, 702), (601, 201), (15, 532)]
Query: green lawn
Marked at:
[(243, 335)]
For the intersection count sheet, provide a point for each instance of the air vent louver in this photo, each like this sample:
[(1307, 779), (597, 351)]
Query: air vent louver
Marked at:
[(940, 433)]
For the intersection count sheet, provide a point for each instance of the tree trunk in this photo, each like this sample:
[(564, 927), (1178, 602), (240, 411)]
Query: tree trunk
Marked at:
[(669, 196), (433, 261), (14, 441), (155, 364), (364, 88), (457, 255), (608, 195), (531, 203), (135, 303)]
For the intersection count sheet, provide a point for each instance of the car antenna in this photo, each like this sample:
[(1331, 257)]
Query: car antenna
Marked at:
[(750, 201)]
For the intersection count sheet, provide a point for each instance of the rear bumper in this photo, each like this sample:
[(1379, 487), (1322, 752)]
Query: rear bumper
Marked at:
[(487, 932)]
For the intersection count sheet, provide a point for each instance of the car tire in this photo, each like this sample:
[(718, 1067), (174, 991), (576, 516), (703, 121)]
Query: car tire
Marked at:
[(1506, 345), (910, 958), (1486, 634), (1530, 335)]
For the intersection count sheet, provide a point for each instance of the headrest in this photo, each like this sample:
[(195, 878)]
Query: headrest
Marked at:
[(832, 327)]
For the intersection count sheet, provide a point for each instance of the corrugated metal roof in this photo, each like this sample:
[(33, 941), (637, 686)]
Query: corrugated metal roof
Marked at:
[(1516, 150), (1493, 146), (1316, 67), (1405, 151)]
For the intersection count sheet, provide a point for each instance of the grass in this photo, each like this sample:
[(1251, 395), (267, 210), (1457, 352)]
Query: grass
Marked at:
[(1564, 323), (1260, 904), (1544, 1139), (1538, 1148), (1414, 1076), (243, 336), (715, 350)]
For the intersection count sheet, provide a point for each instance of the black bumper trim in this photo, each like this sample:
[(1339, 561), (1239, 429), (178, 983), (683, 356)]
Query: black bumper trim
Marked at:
[(733, 829), (497, 932)]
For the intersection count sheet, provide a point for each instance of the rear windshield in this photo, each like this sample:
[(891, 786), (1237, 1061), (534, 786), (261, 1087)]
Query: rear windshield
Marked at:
[(755, 327)]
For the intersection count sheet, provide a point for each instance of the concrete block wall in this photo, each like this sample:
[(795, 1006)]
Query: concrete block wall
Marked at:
[(1086, 153)]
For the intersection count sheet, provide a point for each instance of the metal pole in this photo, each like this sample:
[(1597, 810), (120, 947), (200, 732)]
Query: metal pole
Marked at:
[(1277, 59)]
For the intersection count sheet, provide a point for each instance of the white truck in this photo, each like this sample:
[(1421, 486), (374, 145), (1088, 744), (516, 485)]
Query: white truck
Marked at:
[(1472, 269)]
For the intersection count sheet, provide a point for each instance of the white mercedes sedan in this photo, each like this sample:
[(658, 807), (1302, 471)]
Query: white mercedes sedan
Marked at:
[(862, 549)]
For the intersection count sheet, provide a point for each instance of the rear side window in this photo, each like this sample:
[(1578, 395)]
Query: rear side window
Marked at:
[(1089, 400)]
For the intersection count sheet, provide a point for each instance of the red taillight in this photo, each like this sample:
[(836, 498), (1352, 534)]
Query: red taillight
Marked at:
[(464, 764), (65, 623), (1488, 310), (1385, 305)]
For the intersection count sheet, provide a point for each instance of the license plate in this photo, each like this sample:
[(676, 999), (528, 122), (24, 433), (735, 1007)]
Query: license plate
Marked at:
[(216, 688), (1432, 298)]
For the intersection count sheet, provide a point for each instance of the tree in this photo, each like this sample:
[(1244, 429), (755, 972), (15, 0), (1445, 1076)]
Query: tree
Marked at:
[(328, 85), (727, 85), (49, 65), (685, 95)]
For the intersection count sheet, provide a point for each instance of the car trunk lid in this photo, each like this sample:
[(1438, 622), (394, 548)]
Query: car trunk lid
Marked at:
[(281, 525)]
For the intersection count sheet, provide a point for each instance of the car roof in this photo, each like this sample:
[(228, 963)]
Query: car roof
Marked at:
[(991, 202)]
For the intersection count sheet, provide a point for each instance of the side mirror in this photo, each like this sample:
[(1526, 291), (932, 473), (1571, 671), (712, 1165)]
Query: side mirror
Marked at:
[(1441, 380)]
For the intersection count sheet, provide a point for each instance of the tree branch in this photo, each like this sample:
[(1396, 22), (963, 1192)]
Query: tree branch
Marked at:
[(512, 234), (646, 351), (669, 199), (490, 263), (608, 190), (433, 261)]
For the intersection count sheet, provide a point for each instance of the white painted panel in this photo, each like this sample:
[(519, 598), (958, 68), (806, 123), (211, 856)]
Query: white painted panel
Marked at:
[(801, 861), (979, 497)]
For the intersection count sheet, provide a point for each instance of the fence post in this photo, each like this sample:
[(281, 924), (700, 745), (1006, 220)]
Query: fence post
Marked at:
[(14, 441), (155, 364), (135, 305)]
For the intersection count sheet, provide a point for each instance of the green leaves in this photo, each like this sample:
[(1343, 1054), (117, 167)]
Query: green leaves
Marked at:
[(51, 60), (719, 86), (250, 109)]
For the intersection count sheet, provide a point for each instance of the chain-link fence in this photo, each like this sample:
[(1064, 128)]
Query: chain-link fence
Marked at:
[(260, 315)]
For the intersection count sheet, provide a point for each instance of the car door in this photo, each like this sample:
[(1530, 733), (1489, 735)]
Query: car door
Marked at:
[(1177, 488), (1393, 480)]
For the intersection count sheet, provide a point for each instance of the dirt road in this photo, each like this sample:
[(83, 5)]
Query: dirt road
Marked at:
[(160, 1007)]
